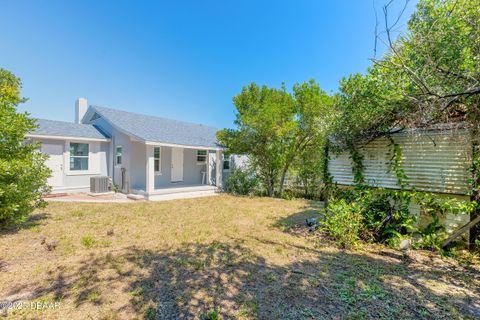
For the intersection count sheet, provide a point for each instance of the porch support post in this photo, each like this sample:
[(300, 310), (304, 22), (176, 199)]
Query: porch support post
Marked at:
[(218, 168), (207, 169), (150, 176)]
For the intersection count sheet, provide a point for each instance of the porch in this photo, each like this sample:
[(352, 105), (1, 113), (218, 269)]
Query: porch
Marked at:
[(174, 172)]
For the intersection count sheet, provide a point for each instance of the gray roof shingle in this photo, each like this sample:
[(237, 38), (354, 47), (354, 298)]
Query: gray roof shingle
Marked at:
[(162, 130), (67, 129)]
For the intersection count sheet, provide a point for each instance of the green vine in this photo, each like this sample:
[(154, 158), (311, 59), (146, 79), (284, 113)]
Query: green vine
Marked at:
[(357, 166), (396, 164), (387, 213)]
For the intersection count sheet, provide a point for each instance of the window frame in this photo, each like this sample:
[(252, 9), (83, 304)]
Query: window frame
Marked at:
[(116, 155), (227, 159), (200, 162), (159, 159), (73, 156)]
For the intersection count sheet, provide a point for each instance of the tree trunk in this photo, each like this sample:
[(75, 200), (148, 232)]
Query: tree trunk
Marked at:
[(297, 150), (305, 186), (271, 185), (282, 181), (327, 180)]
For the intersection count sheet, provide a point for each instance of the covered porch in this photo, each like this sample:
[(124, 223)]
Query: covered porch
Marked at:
[(174, 172)]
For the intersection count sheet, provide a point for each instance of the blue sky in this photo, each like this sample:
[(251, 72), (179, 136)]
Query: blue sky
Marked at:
[(178, 59)]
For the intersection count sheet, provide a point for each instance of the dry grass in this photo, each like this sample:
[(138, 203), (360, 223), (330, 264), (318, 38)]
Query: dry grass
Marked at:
[(236, 257)]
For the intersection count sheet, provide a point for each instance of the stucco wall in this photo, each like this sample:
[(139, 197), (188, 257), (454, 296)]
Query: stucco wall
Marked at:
[(73, 181), (118, 138), (236, 162), (191, 170), (138, 170)]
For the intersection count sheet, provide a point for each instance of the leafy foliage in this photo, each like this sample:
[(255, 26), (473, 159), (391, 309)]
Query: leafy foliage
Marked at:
[(343, 222), (430, 74), (241, 182), (386, 214), (276, 128), (23, 173)]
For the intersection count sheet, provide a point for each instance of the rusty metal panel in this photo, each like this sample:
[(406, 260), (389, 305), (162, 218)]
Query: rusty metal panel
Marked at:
[(435, 161)]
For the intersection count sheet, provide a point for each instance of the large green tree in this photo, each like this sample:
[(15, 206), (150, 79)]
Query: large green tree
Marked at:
[(264, 120), (314, 114), (429, 74), (23, 174), (274, 128)]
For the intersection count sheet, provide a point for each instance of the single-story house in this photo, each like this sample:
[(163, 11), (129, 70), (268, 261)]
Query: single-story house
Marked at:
[(144, 155)]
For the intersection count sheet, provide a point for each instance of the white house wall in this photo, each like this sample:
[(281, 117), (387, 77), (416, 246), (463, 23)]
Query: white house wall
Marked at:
[(73, 181), (434, 161), (236, 162), (138, 170), (192, 171), (118, 138)]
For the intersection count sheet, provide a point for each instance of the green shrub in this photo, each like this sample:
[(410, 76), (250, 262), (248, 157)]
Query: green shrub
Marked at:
[(375, 214), (433, 234), (23, 173), (241, 182), (343, 222), (376, 209), (401, 221)]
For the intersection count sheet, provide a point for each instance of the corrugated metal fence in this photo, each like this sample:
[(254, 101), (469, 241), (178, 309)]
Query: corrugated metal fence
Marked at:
[(433, 160)]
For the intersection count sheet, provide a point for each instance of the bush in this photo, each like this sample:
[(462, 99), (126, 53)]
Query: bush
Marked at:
[(23, 174), (343, 222), (241, 182), (386, 215), (370, 215)]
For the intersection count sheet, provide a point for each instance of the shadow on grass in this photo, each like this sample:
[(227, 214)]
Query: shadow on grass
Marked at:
[(30, 221), (229, 277), (314, 209)]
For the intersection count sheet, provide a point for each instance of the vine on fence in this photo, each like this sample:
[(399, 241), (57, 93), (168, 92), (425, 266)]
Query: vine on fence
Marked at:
[(386, 212), (395, 164), (357, 166)]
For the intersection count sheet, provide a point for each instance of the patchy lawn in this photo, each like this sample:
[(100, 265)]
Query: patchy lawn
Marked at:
[(236, 257)]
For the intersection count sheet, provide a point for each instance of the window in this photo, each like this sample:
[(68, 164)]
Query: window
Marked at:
[(118, 155), (156, 160), (202, 156), (226, 162), (78, 156)]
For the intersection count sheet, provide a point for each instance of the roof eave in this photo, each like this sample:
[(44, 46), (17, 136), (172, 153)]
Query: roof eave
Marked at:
[(175, 145), (53, 137)]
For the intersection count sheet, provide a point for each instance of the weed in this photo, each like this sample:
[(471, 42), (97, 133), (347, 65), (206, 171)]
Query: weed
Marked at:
[(211, 314), (88, 241)]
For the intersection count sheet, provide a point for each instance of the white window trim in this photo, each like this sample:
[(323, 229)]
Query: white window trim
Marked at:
[(115, 155), (229, 161), (201, 163), (66, 160), (159, 172)]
